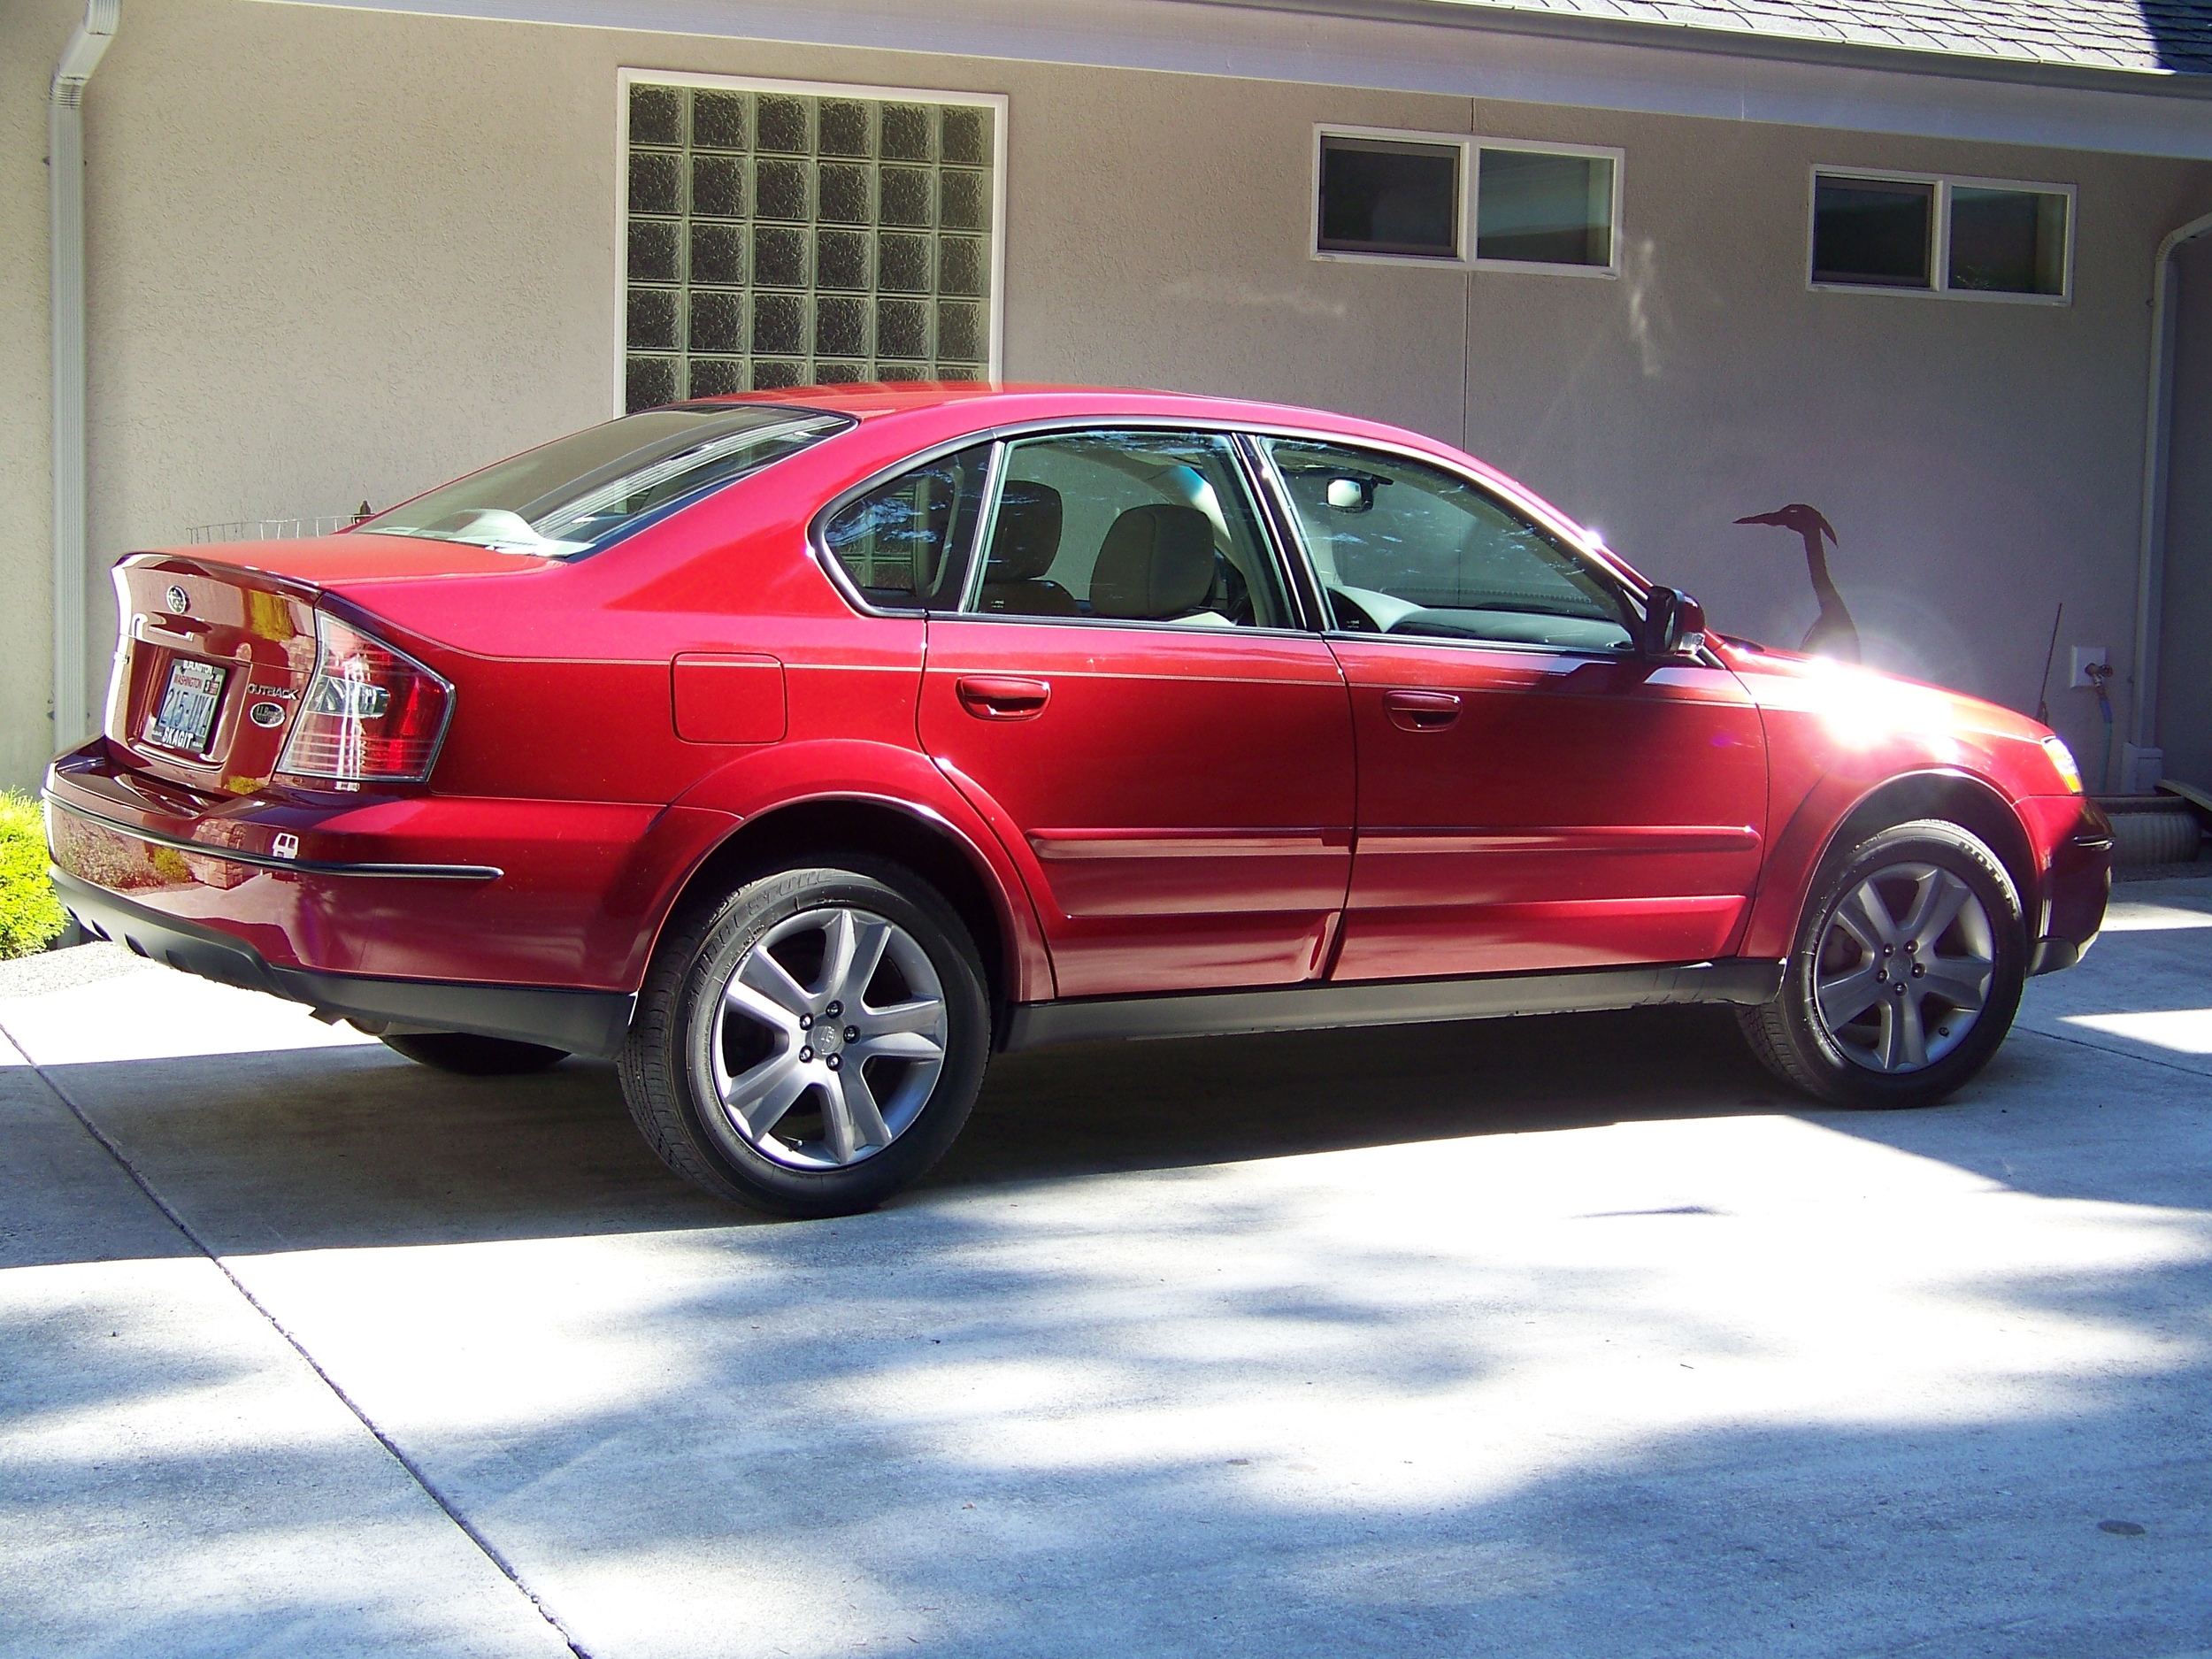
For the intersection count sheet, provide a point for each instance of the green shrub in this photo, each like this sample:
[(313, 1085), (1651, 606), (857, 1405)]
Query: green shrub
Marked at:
[(30, 916)]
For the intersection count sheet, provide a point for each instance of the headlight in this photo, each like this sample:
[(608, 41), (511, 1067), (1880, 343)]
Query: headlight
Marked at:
[(2063, 758)]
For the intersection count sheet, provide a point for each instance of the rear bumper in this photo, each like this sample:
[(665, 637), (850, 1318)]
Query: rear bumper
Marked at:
[(581, 1022), (403, 885)]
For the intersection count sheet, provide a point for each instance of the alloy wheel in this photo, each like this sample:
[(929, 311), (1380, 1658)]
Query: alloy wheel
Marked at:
[(1903, 967), (828, 1039)]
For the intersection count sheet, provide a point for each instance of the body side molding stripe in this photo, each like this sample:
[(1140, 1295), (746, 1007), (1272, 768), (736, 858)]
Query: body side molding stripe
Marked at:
[(269, 861), (1074, 845), (1665, 838)]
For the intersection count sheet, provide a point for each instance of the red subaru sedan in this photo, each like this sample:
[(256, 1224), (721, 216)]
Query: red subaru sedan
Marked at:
[(798, 750)]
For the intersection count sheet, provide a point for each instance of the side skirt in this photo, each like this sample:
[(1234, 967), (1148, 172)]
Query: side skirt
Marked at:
[(1734, 980)]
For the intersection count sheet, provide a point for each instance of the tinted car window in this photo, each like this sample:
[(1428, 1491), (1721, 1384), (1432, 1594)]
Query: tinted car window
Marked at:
[(1404, 548), (905, 544), (580, 493), (1149, 526)]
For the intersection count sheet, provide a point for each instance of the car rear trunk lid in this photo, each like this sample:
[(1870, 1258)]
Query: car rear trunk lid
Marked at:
[(209, 669)]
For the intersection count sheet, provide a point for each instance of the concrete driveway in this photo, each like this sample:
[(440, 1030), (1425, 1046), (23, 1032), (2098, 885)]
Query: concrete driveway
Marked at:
[(1571, 1336)]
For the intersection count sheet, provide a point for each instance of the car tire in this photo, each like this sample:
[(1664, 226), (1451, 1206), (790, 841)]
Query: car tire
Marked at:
[(467, 1055), (722, 1070), (1877, 1005)]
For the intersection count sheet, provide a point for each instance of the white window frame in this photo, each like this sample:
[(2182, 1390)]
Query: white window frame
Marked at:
[(1466, 212), (626, 78), (1457, 141), (1940, 238), (1539, 147)]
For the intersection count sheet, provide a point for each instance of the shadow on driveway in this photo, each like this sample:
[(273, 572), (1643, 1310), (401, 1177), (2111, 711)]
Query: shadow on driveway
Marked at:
[(311, 1148)]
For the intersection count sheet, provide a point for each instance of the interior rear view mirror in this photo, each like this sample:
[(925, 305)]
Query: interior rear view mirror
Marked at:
[(1346, 494)]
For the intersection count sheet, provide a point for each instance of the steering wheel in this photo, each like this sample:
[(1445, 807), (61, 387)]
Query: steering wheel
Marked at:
[(1232, 594)]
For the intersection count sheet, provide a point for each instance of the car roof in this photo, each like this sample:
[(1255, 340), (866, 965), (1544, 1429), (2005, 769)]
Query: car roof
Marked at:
[(949, 409), (989, 403)]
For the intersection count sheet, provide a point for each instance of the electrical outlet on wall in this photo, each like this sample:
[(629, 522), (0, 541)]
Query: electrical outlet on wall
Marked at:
[(2086, 657)]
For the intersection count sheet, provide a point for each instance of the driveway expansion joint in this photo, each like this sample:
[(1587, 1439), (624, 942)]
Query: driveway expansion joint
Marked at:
[(415, 1472)]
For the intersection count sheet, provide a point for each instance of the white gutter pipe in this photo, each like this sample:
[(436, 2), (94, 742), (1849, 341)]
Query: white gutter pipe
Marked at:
[(2141, 759), (65, 178)]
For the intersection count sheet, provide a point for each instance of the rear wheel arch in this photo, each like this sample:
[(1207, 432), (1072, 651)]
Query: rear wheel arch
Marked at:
[(817, 829)]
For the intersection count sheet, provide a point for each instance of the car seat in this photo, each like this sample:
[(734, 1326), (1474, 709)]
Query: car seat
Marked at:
[(1157, 564), (1023, 544)]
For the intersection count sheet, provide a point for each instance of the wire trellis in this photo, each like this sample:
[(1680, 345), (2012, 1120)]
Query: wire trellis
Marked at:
[(276, 529)]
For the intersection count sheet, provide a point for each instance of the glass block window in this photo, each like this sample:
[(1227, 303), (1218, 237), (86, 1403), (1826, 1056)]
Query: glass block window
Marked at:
[(795, 237), (1970, 238)]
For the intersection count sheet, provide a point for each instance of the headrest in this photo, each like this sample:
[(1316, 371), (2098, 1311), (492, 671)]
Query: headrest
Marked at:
[(1157, 562), (1028, 534)]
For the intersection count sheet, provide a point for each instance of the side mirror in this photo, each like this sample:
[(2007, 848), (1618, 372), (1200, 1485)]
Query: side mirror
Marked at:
[(1674, 623)]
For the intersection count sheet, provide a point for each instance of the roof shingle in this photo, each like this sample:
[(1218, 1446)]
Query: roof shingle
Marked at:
[(2147, 36)]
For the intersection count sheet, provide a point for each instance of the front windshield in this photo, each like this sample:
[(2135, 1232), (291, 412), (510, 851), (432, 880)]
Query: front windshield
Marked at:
[(580, 493)]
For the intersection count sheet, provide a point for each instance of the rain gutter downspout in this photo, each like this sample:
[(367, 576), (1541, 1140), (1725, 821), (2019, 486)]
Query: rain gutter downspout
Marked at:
[(2141, 759), (65, 179)]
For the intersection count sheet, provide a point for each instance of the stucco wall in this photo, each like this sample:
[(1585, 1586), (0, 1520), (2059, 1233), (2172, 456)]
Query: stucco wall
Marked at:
[(1980, 461), (338, 254), (31, 36), (2185, 675)]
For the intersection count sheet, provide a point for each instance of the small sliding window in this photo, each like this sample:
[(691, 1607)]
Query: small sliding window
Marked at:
[(1490, 204), (1928, 233), (1389, 196), (1548, 207)]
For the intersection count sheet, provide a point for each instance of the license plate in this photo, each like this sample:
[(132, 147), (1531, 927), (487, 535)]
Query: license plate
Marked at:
[(188, 705)]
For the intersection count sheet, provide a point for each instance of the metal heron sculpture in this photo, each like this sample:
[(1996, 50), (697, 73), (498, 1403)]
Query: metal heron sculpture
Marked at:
[(1833, 634)]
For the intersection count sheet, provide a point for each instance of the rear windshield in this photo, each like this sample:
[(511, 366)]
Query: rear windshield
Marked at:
[(578, 494)]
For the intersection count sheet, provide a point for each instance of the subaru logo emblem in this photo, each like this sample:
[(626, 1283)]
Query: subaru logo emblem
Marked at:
[(180, 602)]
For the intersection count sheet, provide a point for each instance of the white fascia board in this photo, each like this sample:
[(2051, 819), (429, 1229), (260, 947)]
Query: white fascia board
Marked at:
[(1191, 37)]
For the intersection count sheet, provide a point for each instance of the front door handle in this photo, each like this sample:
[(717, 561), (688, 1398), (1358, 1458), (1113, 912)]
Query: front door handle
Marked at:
[(1422, 710), (1002, 697)]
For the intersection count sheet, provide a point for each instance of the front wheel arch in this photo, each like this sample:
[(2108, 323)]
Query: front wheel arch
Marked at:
[(1950, 797)]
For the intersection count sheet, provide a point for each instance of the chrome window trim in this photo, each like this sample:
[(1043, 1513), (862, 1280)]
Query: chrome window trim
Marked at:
[(986, 522), (1290, 553), (1603, 568), (817, 526), (1235, 436), (1631, 585)]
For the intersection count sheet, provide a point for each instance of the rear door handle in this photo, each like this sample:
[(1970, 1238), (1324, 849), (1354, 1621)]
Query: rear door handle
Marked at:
[(1421, 710), (1003, 697)]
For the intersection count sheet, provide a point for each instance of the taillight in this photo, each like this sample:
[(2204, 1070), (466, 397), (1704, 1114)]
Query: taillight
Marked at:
[(370, 714)]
